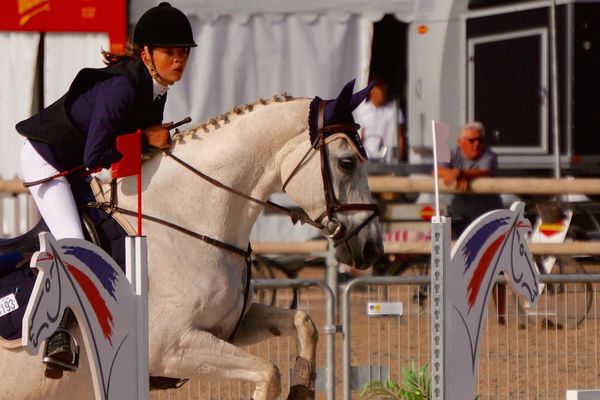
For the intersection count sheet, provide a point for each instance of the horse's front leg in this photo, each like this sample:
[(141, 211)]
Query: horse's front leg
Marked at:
[(201, 354), (263, 322)]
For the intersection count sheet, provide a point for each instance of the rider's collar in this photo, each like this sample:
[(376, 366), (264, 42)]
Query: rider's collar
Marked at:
[(158, 89), (330, 118)]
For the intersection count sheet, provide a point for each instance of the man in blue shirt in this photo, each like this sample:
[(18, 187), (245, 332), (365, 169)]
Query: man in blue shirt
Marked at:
[(471, 159)]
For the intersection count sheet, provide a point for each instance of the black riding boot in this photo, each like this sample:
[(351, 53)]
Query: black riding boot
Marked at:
[(59, 355)]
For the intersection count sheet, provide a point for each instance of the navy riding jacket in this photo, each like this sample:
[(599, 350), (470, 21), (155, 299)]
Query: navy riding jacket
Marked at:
[(82, 126)]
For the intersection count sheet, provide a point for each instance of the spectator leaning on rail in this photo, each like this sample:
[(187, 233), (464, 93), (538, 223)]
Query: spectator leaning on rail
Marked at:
[(471, 159), (80, 129)]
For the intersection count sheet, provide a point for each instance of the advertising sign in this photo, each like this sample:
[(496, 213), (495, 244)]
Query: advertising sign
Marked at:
[(68, 16)]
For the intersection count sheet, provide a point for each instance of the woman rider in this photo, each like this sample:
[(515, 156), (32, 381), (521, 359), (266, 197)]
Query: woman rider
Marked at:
[(79, 130)]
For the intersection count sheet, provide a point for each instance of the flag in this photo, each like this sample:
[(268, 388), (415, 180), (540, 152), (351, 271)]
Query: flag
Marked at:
[(441, 133), (130, 147)]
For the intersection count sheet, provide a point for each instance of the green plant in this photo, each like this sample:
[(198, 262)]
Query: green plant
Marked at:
[(387, 390), (416, 385)]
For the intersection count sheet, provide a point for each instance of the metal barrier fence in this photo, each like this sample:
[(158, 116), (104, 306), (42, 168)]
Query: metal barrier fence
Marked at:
[(529, 356)]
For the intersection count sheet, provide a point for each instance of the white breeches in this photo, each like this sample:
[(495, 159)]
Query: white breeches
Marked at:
[(54, 198)]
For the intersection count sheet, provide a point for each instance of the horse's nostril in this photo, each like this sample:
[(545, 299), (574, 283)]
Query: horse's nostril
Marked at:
[(371, 252)]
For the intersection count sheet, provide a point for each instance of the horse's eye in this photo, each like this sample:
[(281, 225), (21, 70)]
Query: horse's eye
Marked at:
[(347, 164)]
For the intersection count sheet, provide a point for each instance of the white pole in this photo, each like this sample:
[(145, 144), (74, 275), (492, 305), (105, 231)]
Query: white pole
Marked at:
[(554, 77), (435, 170), (136, 251)]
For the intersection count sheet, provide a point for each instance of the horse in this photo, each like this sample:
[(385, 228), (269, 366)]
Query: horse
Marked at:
[(496, 242), (76, 274), (201, 199)]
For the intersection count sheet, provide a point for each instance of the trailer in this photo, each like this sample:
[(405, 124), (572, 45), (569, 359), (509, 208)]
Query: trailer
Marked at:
[(492, 61)]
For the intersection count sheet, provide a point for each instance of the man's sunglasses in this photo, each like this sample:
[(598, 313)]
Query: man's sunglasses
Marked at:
[(473, 140)]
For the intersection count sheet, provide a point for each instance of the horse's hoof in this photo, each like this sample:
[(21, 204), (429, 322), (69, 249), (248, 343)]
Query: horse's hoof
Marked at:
[(298, 392)]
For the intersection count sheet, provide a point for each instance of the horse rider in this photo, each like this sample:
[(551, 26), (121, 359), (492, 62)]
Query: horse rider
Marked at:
[(77, 134)]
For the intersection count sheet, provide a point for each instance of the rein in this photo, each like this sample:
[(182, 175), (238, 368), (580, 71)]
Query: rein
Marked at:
[(294, 216), (332, 203), (110, 207)]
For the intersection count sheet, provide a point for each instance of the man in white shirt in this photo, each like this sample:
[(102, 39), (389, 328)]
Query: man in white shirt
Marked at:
[(382, 126)]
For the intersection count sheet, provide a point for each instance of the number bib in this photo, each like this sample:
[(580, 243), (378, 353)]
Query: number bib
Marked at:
[(8, 304)]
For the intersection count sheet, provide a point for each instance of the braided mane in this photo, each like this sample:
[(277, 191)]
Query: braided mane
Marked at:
[(216, 122)]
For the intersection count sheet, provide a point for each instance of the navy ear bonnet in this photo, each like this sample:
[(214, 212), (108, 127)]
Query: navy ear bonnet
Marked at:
[(338, 111)]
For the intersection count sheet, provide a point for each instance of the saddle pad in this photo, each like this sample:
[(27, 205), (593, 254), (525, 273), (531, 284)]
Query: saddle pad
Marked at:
[(20, 283)]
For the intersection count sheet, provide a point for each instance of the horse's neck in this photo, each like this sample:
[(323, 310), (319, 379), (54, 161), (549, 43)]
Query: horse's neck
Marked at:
[(244, 152)]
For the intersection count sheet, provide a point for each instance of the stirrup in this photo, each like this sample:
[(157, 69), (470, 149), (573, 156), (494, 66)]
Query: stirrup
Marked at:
[(64, 359)]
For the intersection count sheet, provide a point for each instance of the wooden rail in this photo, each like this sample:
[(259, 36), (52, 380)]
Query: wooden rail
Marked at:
[(13, 186), (401, 184), (422, 247)]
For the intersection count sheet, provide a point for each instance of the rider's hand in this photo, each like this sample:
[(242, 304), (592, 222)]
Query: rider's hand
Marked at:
[(158, 135)]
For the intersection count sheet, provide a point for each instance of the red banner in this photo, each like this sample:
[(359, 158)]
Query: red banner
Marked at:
[(68, 16)]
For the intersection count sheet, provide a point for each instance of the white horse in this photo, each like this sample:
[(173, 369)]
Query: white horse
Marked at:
[(197, 290), (496, 242)]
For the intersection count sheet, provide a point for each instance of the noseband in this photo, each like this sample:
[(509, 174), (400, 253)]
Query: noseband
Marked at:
[(336, 230)]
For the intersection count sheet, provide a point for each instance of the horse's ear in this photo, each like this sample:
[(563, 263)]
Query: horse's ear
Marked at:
[(345, 97), (337, 110), (358, 97)]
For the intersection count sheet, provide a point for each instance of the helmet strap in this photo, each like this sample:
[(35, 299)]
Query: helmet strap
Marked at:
[(152, 68)]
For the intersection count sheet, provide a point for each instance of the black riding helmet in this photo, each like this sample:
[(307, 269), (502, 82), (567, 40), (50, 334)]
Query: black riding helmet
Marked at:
[(163, 26)]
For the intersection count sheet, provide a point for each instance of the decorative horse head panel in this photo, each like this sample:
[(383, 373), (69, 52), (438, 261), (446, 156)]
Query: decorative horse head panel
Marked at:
[(76, 274), (494, 243)]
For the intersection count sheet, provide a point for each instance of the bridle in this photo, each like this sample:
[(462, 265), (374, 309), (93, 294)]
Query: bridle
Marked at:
[(337, 231)]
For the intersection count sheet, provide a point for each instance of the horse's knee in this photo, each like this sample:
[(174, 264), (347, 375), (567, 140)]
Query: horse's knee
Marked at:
[(306, 327)]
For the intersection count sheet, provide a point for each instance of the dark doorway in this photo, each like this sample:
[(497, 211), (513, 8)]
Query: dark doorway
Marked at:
[(388, 56)]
